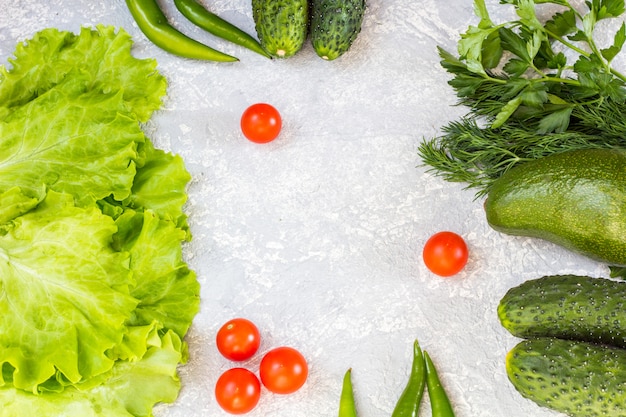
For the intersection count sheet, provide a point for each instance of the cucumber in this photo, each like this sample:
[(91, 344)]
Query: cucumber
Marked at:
[(281, 25), (575, 199), (335, 25), (579, 379), (567, 307)]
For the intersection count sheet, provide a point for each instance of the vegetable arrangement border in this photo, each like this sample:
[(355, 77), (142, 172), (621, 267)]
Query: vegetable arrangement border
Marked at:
[(544, 142)]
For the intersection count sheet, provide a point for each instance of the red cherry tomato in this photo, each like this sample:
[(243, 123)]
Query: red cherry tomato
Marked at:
[(238, 339), (261, 123), (445, 253), (283, 370), (237, 391)]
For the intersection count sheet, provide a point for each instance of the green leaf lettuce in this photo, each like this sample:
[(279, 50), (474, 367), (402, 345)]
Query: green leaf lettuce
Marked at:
[(95, 296)]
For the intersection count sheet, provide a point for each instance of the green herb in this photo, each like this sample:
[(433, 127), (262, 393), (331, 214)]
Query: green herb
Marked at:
[(96, 298), (533, 87)]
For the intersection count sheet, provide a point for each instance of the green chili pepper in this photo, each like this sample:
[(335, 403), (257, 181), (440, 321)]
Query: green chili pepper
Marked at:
[(212, 23), (154, 25), (347, 407), (409, 402), (439, 401)]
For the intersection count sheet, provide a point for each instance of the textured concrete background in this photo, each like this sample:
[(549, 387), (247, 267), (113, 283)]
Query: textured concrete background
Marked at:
[(317, 237)]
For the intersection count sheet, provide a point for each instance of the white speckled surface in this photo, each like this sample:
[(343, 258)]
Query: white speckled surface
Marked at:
[(317, 237)]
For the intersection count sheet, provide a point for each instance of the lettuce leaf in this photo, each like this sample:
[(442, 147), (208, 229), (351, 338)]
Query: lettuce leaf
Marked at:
[(72, 142), (104, 57), (15, 203), (95, 297), (77, 289), (167, 289), (160, 184), (131, 389)]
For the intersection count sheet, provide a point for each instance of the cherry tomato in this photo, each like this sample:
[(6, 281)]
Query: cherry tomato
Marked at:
[(237, 391), (238, 339), (283, 370), (445, 253), (261, 123)]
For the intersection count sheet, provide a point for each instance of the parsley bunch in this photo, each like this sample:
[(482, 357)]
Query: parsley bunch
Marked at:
[(532, 87)]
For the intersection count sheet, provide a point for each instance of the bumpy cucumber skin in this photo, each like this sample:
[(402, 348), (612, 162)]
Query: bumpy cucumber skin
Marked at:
[(577, 378), (281, 25), (567, 307), (576, 199), (335, 25)]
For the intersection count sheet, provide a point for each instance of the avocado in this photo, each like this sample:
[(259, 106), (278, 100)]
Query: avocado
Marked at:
[(575, 199), (335, 25), (281, 25)]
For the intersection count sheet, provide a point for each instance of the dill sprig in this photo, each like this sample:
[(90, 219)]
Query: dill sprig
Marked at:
[(475, 155), (526, 97)]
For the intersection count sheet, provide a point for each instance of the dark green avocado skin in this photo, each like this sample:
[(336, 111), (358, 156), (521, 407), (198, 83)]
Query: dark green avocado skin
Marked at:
[(575, 199), (335, 25)]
